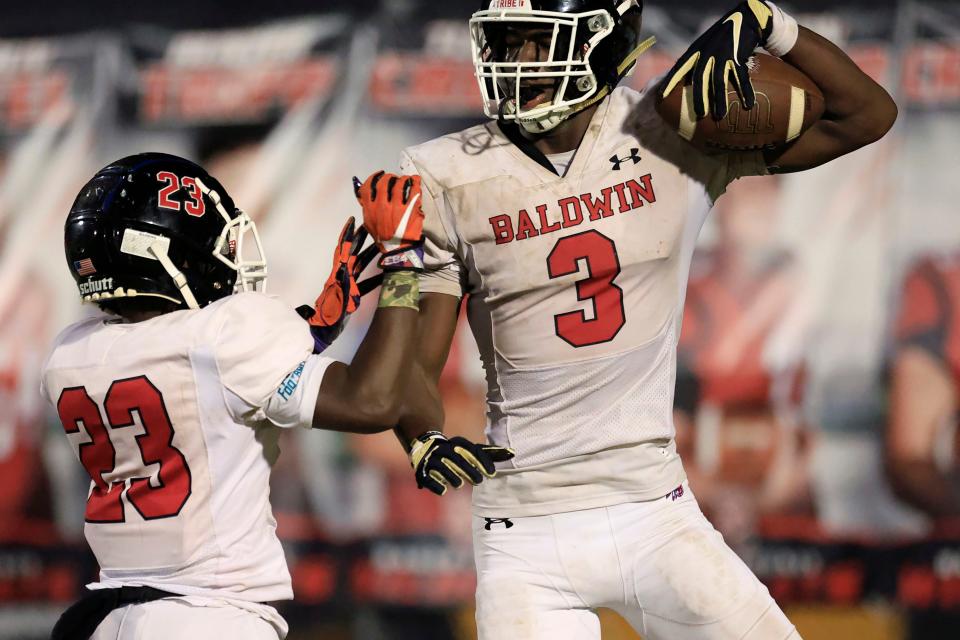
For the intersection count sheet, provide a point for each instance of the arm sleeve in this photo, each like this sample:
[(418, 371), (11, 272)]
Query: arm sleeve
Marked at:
[(444, 271), (260, 342)]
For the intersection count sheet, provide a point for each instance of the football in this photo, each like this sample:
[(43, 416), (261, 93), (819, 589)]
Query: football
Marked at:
[(788, 103)]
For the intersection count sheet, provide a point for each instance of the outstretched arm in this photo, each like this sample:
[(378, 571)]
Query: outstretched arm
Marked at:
[(438, 461), (366, 395), (858, 111)]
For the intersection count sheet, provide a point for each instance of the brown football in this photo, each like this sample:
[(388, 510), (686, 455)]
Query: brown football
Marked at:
[(788, 103)]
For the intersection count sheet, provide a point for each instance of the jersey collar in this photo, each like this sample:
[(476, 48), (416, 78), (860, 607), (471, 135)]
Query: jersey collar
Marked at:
[(522, 148)]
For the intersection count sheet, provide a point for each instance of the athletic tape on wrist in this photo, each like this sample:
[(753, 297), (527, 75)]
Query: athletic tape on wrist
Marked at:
[(784, 34)]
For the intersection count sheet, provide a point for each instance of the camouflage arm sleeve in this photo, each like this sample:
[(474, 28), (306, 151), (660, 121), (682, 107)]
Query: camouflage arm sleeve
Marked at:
[(400, 289)]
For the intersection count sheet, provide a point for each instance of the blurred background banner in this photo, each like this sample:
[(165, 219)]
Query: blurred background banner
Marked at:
[(817, 393)]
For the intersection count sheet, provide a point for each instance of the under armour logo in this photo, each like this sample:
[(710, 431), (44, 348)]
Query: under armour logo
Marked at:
[(493, 521), (634, 155)]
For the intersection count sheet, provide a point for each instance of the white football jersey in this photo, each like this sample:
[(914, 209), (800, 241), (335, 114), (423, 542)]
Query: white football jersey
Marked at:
[(175, 418), (576, 286)]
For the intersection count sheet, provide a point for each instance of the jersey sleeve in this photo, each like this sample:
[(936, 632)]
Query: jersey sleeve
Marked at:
[(733, 166), (444, 272), (744, 164), (293, 402), (259, 343), (921, 319)]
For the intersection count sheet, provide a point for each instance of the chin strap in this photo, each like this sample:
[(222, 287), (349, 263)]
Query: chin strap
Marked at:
[(624, 69), (159, 251), (636, 53)]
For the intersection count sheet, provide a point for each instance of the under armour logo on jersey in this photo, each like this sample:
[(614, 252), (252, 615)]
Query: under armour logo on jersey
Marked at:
[(492, 521), (634, 155)]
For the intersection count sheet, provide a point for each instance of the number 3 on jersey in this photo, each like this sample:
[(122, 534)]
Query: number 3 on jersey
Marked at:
[(600, 256), (99, 456)]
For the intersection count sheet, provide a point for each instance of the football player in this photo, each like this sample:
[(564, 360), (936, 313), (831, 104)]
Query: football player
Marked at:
[(568, 224), (173, 399)]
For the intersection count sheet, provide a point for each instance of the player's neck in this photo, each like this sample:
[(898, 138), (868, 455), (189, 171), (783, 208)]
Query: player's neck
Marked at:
[(134, 316), (566, 136)]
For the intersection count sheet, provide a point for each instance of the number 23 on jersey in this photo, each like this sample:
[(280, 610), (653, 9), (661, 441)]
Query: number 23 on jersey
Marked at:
[(163, 498)]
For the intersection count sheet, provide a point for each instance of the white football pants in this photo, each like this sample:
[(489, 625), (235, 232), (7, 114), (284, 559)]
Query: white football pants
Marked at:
[(660, 564), (173, 618)]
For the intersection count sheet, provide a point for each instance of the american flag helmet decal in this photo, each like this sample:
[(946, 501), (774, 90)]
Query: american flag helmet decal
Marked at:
[(84, 267)]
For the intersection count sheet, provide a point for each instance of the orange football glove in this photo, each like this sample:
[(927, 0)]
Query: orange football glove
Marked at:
[(341, 294), (393, 215)]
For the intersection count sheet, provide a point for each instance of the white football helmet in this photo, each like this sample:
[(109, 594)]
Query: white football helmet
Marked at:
[(592, 45)]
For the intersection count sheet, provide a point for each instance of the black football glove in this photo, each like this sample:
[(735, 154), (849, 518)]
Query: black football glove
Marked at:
[(440, 462), (720, 53)]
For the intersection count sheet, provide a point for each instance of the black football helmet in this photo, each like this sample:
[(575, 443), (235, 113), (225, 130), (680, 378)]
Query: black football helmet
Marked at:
[(593, 44), (158, 225)]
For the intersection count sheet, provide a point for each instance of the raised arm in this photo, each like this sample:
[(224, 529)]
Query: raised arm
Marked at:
[(363, 398), (366, 395), (858, 111)]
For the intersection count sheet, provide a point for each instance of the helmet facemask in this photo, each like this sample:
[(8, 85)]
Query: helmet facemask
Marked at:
[(508, 86), (239, 246)]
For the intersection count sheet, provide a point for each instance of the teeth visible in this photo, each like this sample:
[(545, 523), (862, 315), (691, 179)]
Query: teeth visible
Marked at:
[(131, 292), (106, 295), (119, 293), (87, 298), (95, 296)]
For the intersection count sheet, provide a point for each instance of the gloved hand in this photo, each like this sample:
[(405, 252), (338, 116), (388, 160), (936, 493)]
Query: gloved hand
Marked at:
[(720, 53), (440, 462), (393, 215), (341, 293)]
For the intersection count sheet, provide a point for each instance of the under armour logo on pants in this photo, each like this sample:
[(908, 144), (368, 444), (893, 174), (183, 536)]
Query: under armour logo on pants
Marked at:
[(492, 521)]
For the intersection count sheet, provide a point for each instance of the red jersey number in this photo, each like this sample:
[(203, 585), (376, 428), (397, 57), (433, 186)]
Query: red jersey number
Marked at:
[(173, 488), (599, 254), (97, 456)]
